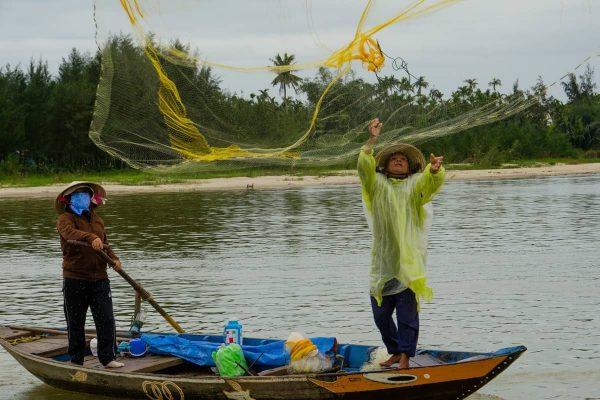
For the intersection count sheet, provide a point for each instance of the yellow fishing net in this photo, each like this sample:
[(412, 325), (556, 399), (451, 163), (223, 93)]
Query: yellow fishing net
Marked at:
[(206, 84)]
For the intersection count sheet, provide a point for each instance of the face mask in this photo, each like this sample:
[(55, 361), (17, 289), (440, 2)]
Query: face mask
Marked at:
[(80, 202)]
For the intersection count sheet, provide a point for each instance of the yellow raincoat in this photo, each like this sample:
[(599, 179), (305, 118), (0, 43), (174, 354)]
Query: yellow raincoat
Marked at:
[(395, 208)]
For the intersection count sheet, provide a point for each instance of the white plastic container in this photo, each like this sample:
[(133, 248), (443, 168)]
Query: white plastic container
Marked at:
[(94, 347), (233, 332)]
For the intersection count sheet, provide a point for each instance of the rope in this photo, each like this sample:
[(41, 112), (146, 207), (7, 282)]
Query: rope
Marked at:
[(24, 339)]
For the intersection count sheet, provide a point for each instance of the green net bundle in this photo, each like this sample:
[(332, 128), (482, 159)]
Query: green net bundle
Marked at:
[(210, 85)]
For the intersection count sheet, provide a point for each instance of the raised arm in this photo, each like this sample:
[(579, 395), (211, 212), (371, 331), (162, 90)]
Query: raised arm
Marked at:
[(367, 164), (431, 180), (374, 130)]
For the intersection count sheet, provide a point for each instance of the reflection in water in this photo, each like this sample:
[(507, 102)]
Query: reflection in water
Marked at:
[(511, 262)]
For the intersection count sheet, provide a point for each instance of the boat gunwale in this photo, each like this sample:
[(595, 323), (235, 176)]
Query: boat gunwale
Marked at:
[(453, 380), (246, 378)]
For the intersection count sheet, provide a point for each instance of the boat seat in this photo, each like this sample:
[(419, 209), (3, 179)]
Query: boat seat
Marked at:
[(7, 333), (147, 363), (46, 347)]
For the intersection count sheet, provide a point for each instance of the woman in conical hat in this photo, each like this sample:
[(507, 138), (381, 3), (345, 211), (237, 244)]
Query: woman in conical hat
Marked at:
[(85, 281), (396, 187)]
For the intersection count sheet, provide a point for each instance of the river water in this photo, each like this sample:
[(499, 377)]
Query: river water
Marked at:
[(511, 262)]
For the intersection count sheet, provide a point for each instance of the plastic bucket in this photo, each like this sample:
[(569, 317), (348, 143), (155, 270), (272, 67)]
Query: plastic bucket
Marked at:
[(137, 347)]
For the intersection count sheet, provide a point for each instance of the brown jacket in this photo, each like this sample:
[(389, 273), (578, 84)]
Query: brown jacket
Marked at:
[(81, 262)]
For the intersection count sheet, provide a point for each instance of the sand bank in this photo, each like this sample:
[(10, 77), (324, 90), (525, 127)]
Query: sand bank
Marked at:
[(282, 182)]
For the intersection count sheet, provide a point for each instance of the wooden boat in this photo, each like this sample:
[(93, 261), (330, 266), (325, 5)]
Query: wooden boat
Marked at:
[(432, 374)]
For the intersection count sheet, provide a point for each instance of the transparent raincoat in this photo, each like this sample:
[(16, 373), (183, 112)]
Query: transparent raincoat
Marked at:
[(398, 218)]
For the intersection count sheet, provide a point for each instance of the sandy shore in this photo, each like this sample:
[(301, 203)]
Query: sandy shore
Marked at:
[(273, 182)]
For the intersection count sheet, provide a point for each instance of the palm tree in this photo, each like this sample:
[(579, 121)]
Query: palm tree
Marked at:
[(405, 85), (285, 77), (462, 93), (495, 82), (388, 84), (420, 84), (436, 95), (264, 97), (471, 83)]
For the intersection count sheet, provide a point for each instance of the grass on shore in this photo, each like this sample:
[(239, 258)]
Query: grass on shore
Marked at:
[(136, 177), (538, 162)]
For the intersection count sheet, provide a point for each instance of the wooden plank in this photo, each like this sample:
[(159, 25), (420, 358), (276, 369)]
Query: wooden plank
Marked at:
[(92, 362), (8, 333), (284, 370), (424, 360), (150, 363), (46, 347), (147, 363), (279, 371), (39, 330)]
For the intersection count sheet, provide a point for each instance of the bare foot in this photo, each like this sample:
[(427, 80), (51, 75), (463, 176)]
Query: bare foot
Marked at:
[(400, 359), (403, 364), (392, 360), (114, 364)]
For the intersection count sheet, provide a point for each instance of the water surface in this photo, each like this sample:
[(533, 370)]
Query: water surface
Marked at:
[(511, 262)]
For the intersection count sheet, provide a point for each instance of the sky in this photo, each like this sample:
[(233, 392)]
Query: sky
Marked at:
[(480, 39)]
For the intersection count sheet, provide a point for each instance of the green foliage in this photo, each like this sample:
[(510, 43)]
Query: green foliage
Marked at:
[(45, 120), (580, 120), (580, 117), (13, 111), (10, 165)]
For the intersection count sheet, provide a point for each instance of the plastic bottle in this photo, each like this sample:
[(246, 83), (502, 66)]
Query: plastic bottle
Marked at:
[(233, 332), (123, 348), (94, 347), (137, 324)]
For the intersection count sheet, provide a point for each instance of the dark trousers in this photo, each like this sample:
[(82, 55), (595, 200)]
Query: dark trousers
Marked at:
[(78, 296), (403, 338)]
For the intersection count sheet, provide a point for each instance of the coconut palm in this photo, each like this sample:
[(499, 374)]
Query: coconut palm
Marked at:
[(388, 84), (420, 84), (471, 84), (285, 78), (436, 95), (495, 82), (462, 93), (405, 85)]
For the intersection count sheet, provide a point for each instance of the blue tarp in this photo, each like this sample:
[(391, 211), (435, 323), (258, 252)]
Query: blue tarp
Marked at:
[(198, 349)]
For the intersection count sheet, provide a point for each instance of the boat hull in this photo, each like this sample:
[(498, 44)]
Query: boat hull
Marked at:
[(440, 382)]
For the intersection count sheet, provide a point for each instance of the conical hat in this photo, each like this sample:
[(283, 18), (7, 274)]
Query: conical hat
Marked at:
[(74, 186), (416, 159)]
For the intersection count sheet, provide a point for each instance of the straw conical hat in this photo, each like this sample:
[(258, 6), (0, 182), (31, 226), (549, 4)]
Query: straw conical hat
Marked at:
[(416, 159), (74, 186)]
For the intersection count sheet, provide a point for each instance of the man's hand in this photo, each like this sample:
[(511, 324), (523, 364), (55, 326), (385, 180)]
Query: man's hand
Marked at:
[(97, 244), (436, 163), (375, 128), (117, 265)]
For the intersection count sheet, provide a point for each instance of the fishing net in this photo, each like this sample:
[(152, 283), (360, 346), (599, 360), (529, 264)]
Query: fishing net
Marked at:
[(209, 85)]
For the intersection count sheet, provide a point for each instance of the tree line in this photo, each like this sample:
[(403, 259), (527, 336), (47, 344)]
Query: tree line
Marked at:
[(45, 119)]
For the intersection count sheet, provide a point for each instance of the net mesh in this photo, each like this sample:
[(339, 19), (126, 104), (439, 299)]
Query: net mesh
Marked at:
[(174, 75)]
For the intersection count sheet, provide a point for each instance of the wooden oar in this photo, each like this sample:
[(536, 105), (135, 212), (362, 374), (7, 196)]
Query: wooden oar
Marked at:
[(138, 288)]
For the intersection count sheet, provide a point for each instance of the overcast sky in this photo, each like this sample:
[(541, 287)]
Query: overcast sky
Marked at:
[(481, 39)]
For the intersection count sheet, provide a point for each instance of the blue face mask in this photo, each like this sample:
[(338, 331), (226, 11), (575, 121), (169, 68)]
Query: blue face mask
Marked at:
[(80, 202)]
